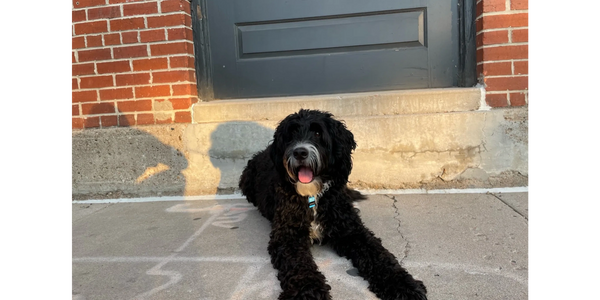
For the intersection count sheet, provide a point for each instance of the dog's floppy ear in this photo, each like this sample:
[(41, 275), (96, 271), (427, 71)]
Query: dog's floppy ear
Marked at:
[(278, 145), (275, 152), (342, 145)]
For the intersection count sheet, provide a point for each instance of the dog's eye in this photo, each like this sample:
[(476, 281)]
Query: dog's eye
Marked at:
[(316, 130)]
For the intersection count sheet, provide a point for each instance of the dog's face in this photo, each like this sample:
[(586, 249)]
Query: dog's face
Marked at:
[(310, 148)]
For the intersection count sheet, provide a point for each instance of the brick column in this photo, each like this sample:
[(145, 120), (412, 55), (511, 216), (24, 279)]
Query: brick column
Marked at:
[(502, 51), (133, 63)]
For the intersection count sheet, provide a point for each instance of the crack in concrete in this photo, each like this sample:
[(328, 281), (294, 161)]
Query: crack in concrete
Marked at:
[(86, 206), (510, 206), (483, 139), (397, 218)]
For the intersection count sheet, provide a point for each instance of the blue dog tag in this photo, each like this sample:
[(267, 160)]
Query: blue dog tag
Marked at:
[(311, 201)]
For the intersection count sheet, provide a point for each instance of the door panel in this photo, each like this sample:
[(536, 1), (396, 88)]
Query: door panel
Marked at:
[(262, 48)]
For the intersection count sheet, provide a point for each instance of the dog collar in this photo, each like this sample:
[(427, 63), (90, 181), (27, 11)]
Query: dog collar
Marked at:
[(312, 200)]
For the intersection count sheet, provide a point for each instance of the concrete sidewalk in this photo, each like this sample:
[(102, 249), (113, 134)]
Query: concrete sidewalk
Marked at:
[(463, 246)]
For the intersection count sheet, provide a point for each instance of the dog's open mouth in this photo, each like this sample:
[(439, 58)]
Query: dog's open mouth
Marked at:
[(305, 175)]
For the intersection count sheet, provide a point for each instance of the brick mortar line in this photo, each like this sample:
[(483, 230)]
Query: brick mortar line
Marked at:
[(127, 112), (122, 59), (169, 68), (134, 86), (166, 31), (135, 113), (130, 100), (133, 99), (503, 60), (159, 14), (502, 45), (146, 28), (108, 25), (132, 44), (131, 113), (509, 102), (502, 29), (501, 13), (506, 76), (131, 72), (145, 21), (506, 92), (139, 31), (141, 99)]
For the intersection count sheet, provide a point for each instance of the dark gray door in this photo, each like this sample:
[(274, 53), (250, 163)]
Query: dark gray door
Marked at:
[(262, 48)]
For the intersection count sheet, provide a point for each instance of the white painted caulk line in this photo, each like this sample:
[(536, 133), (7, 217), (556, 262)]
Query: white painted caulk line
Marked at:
[(483, 106), (522, 189)]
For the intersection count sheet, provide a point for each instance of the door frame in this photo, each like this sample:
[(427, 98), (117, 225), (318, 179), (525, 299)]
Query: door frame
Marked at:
[(467, 48)]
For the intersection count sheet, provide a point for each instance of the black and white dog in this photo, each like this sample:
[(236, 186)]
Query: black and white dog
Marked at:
[(299, 183)]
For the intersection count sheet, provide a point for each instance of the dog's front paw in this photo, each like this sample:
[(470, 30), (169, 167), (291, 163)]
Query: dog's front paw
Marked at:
[(312, 291), (414, 291)]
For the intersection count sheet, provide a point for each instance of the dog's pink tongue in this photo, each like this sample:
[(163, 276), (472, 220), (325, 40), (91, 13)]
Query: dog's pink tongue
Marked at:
[(305, 175)]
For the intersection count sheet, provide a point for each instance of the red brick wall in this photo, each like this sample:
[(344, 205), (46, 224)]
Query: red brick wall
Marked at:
[(133, 63), (502, 51), (133, 60)]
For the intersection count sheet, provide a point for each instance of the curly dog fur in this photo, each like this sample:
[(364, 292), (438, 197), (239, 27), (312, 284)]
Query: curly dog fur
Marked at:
[(308, 163)]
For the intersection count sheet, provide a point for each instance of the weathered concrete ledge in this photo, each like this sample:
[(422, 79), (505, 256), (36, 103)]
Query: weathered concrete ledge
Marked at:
[(437, 138), (342, 105)]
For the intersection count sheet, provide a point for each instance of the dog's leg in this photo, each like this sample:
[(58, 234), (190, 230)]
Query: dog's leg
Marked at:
[(289, 248), (387, 279)]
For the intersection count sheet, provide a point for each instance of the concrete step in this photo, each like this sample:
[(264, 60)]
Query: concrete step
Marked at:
[(432, 139), (382, 103)]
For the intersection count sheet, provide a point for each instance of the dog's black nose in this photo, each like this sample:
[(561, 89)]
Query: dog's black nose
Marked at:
[(300, 153)]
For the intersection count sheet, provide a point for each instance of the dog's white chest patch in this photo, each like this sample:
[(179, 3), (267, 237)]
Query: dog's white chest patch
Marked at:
[(316, 231)]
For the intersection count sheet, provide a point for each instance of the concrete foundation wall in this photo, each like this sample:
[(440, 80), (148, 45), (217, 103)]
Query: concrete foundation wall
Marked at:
[(406, 139)]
